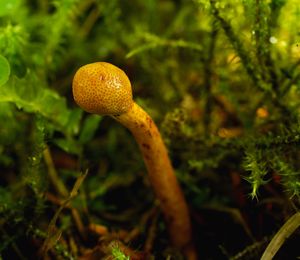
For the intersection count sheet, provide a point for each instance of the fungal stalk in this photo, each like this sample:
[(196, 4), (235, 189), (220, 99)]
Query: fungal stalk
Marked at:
[(104, 89)]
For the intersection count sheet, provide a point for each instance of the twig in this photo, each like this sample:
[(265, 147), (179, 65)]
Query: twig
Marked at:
[(252, 250), (9, 240), (281, 236), (53, 235), (263, 50), (89, 22), (55, 180), (208, 77), (248, 63), (61, 189), (289, 84), (236, 216), (141, 226), (151, 234)]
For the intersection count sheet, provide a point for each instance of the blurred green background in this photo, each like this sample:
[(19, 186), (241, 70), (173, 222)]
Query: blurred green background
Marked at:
[(220, 78)]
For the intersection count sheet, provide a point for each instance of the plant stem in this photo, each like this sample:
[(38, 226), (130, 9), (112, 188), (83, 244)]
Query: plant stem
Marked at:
[(281, 236)]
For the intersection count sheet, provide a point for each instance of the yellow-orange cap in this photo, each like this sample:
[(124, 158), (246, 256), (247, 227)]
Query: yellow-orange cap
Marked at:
[(102, 88)]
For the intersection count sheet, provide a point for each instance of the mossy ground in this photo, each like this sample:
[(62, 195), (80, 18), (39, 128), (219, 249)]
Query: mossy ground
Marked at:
[(220, 78)]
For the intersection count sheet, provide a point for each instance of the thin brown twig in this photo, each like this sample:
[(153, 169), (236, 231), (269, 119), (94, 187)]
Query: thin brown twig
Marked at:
[(151, 234), (62, 190), (53, 233), (137, 230), (53, 176)]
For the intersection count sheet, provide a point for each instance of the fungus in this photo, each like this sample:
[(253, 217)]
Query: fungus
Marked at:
[(104, 89)]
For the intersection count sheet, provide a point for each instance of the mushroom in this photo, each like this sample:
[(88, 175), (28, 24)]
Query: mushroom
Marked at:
[(104, 89)]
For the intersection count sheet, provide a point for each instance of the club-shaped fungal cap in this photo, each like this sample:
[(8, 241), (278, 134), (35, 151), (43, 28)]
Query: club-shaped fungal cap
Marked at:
[(102, 88)]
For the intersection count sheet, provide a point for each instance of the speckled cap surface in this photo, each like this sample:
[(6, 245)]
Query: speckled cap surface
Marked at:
[(102, 88)]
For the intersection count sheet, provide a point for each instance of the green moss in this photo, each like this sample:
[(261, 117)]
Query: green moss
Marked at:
[(220, 78)]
